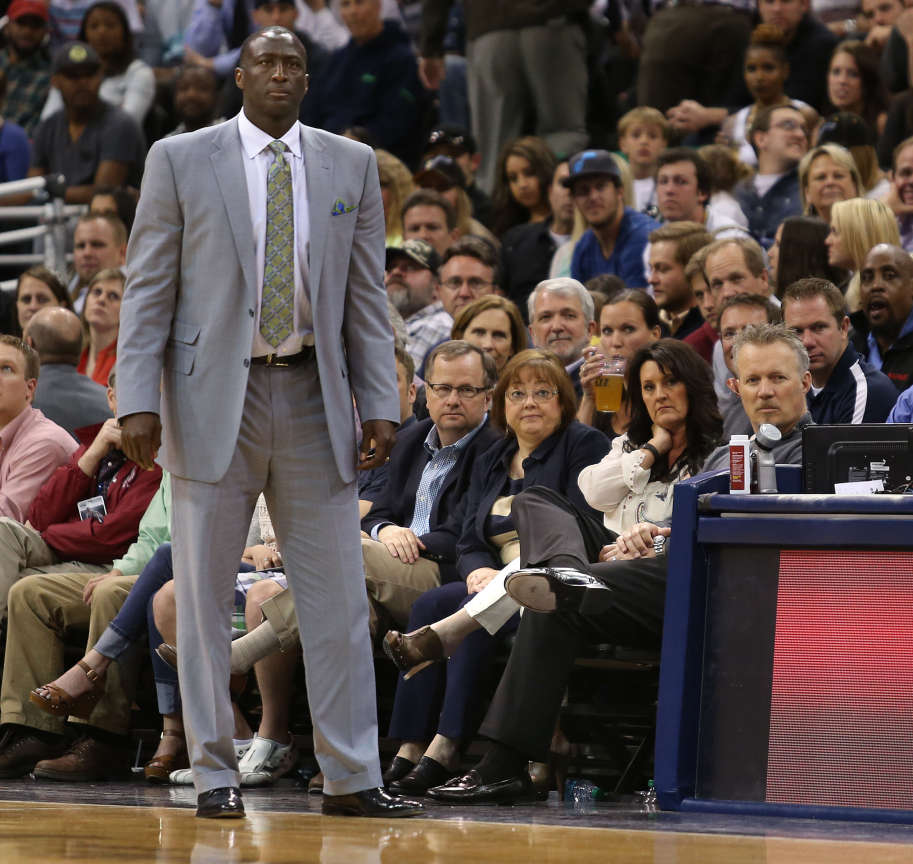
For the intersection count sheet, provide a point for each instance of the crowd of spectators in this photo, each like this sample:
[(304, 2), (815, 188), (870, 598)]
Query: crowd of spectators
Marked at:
[(715, 197)]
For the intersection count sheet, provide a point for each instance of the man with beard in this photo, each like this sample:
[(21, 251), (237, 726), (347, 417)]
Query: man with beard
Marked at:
[(883, 328), (26, 63), (412, 286), (196, 91), (89, 141), (561, 319), (617, 235)]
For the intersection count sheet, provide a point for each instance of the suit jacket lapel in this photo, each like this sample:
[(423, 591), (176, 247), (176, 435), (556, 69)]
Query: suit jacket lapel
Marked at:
[(227, 163), (318, 171)]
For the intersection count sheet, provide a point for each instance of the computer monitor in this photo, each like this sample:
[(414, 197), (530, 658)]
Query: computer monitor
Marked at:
[(848, 453)]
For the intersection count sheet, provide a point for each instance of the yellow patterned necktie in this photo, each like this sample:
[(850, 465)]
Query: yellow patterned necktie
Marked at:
[(277, 314)]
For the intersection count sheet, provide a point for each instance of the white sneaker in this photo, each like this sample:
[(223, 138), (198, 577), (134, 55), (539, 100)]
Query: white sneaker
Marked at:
[(267, 761), (184, 776)]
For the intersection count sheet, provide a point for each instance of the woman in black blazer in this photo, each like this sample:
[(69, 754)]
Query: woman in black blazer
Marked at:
[(544, 445)]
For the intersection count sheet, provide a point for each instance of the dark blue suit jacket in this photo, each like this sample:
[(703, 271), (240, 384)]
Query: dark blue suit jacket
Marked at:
[(555, 463), (395, 503)]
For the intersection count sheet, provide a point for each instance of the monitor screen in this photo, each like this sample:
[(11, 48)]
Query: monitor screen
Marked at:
[(845, 454)]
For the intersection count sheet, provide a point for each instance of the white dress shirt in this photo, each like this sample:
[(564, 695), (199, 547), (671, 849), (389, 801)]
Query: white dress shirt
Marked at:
[(255, 143)]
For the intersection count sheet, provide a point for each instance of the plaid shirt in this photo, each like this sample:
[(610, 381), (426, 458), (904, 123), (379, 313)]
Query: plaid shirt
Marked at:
[(28, 82), (425, 329)]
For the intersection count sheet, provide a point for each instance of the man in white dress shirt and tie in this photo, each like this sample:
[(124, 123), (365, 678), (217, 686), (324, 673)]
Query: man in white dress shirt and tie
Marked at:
[(254, 310)]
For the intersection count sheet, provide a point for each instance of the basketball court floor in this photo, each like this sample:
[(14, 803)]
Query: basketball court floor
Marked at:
[(132, 822)]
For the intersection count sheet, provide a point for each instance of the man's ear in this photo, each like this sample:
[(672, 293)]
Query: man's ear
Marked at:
[(30, 385), (733, 384)]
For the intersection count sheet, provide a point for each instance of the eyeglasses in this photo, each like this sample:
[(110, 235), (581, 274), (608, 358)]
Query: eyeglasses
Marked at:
[(473, 283), (518, 397), (790, 126), (465, 391)]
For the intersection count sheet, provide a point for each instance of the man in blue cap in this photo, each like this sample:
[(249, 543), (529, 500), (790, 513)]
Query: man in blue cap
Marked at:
[(616, 236)]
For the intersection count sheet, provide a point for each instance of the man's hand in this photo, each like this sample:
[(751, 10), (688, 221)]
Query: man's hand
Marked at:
[(141, 437), (378, 435), (93, 583), (195, 58), (262, 557), (431, 71), (637, 541), (691, 116), (107, 439), (401, 543), (478, 579)]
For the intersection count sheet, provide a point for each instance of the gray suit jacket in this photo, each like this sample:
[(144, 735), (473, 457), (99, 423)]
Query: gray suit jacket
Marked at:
[(191, 295), (69, 399)]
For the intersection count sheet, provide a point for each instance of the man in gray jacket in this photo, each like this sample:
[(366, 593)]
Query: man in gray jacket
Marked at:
[(64, 395)]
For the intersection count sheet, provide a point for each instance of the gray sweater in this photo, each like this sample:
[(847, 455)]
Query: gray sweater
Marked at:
[(787, 452)]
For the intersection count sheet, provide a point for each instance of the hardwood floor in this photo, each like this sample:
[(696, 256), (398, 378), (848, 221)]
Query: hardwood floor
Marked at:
[(44, 832)]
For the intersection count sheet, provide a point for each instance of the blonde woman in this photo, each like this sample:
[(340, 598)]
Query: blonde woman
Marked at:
[(395, 187), (827, 174), (856, 226)]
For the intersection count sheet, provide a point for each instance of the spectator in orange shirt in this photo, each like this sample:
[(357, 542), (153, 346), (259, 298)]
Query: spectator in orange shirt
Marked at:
[(101, 316)]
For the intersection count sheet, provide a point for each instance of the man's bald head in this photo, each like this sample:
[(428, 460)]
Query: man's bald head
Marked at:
[(272, 31), (899, 256), (886, 291), (56, 334)]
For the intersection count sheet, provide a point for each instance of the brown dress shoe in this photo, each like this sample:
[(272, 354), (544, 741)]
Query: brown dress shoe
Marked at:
[(412, 652), (20, 752), (86, 761)]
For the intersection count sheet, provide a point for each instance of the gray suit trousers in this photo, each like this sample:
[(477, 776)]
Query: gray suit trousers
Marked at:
[(284, 450)]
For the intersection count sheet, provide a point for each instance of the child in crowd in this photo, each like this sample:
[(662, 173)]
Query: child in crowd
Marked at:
[(643, 133)]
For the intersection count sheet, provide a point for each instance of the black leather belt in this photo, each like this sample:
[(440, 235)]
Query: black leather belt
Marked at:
[(281, 360)]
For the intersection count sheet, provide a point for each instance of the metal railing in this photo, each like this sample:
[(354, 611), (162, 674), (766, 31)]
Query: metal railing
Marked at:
[(52, 217)]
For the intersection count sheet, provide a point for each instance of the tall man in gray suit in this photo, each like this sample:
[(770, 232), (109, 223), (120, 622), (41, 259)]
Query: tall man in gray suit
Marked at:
[(254, 310)]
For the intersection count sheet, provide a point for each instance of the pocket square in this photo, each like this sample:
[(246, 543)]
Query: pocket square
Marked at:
[(340, 208)]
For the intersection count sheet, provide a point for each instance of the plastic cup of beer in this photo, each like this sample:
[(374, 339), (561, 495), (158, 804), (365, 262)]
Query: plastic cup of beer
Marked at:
[(608, 388)]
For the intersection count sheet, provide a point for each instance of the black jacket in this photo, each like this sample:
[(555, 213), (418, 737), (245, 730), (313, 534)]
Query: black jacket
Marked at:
[(395, 504), (526, 257), (897, 361), (555, 463)]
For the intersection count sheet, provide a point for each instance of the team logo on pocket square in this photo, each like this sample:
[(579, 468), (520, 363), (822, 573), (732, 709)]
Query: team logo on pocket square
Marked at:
[(340, 208)]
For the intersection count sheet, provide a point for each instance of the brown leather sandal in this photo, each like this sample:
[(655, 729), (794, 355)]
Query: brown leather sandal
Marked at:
[(158, 768), (56, 701)]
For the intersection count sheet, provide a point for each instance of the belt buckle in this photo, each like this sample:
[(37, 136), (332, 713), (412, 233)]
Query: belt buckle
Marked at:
[(275, 360)]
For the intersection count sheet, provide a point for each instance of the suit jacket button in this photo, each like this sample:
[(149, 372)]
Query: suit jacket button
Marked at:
[(250, 312), (246, 363)]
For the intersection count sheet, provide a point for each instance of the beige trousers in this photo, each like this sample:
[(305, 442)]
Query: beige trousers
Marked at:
[(44, 609)]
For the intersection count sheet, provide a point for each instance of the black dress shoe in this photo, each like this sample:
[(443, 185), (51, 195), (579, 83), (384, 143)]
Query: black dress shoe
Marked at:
[(545, 589), (398, 769), (370, 802), (222, 803), (429, 772), (469, 789)]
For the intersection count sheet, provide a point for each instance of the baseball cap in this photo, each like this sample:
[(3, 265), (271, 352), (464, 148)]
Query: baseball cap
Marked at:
[(22, 8), (419, 251), (440, 172), (591, 163), (453, 136), (75, 57)]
